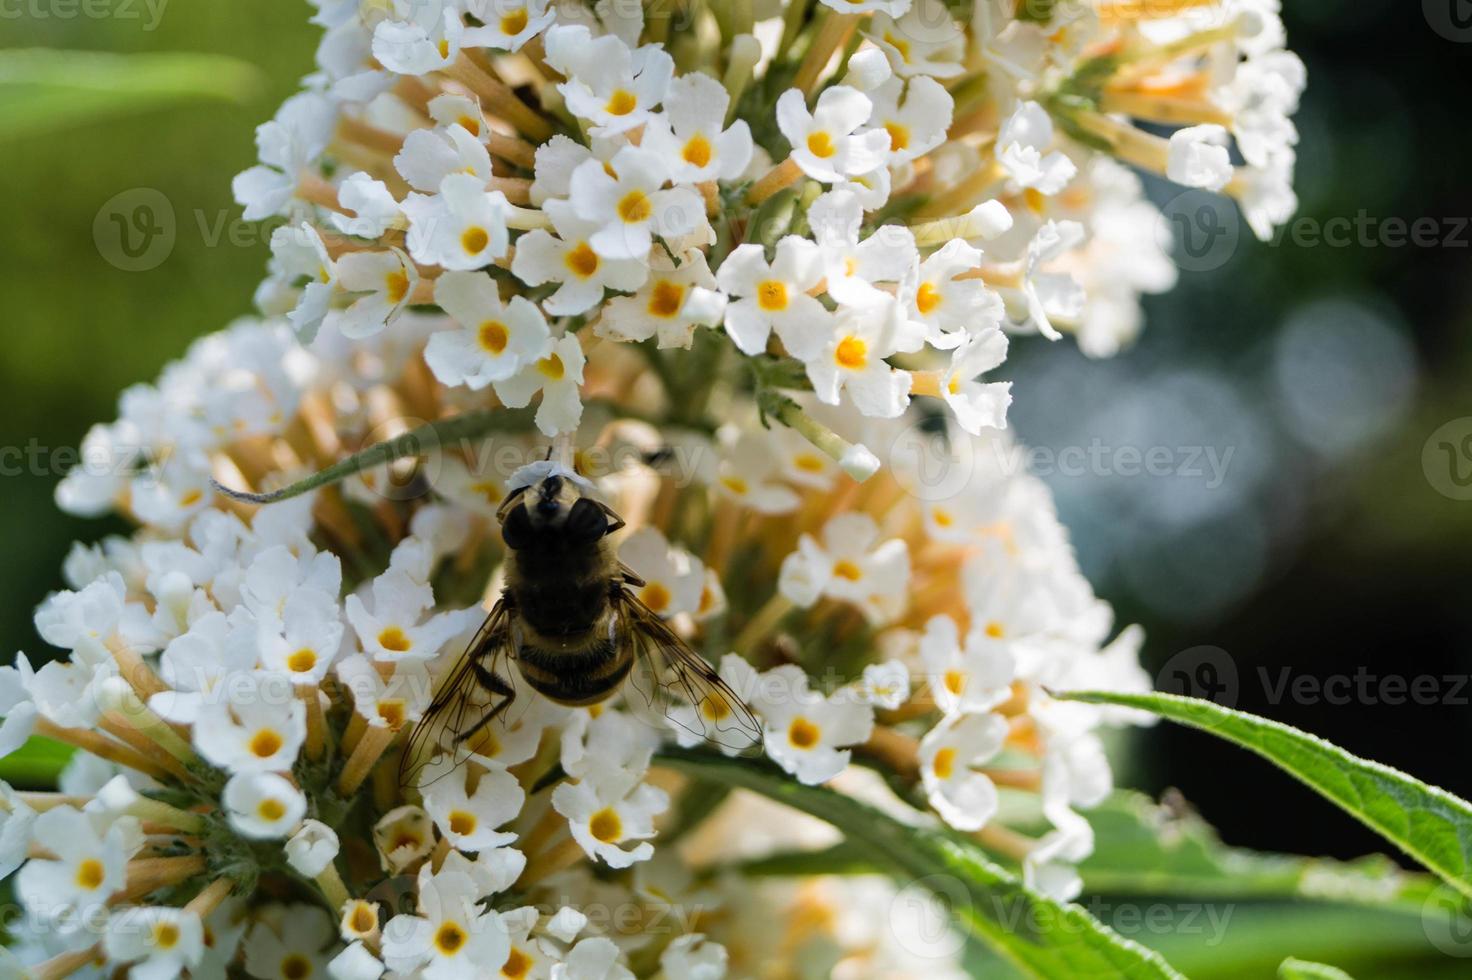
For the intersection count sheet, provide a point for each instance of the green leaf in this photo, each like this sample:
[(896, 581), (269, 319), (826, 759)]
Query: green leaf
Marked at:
[(1292, 969), (36, 764), (1429, 824), (43, 89), (467, 427), (1040, 936)]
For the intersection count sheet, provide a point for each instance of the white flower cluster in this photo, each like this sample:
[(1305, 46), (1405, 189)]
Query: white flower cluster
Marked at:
[(726, 259)]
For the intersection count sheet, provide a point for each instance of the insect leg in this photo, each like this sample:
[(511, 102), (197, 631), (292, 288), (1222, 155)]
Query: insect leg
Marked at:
[(492, 682)]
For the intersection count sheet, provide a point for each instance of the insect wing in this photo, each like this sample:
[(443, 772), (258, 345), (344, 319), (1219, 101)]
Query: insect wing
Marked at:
[(674, 681)]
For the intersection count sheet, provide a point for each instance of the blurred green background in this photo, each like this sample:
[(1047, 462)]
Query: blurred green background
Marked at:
[(1325, 370)]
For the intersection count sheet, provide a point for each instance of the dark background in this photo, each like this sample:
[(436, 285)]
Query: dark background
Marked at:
[(1325, 370)]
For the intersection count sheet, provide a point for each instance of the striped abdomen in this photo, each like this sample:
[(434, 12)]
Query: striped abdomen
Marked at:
[(575, 674)]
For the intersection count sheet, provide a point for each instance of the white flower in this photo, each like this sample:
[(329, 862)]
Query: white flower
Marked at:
[(158, 942), (377, 286), (849, 566), (670, 304), (452, 938), (307, 638), (16, 821), (193, 664), (915, 114), (592, 959), (746, 474), (964, 798), (852, 267), (969, 679), (397, 628), (1199, 157), (774, 296), (559, 377), (391, 703), (606, 810), (312, 848), (88, 862), (804, 732), (427, 40), (628, 205), (978, 405), (612, 87), (469, 820), (1049, 295), (925, 40), (509, 24), (403, 836), (1022, 150), (713, 721), (692, 133), (289, 945), (825, 142), (287, 145), (263, 805), (495, 341), (1050, 866), (374, 209), (1266, 195), (673, 579), (463, 227), (16, 709), (355, 962), (571, 260), (854, 359), (692, 956), (430, 155), (884, 685), (255, 724), (949, 301)]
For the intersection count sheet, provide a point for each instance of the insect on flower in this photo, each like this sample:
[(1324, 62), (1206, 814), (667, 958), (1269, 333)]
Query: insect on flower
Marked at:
[(570, 621)]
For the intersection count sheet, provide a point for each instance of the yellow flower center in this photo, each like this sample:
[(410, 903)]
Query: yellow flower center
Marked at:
[(666, 299), (945, 763), (493, 336), (941, 517), (265, 743), (271, 809), (394, 640), (462, 824), (471, 124), (514, 23), (955, 682), (474, 240), (621, 102), (444, 47), (191, 498), (301, 661), (656, 596), (517, 965), (927, 298), (736, 485), (899, 44), (852, 353), (635, 207), (485, 744), (606, 826), (820, 144), (1035, 200), (165, 935), (582, 261), (995, 630), (715, 707), (449, 939), (396, 286), (803, 734), (90, 874), (846, 569), (551, 367), (296, 967), (772, 296), (899, 135), (698, 152), (391, 710), (364, 919)]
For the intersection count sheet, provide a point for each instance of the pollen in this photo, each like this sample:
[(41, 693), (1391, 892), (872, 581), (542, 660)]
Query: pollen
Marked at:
[(449, 939), (552, 367), (846, 569), (474, 240), (165, 935), (772, 296), (820, 144), (517, 965), (899, 136), (945, 763), (697, 152), (621, 102), (852, 353), (394, 640), (462, 824), (656, 595), (444, 47), (514, 23), (666, 299), (803, 734), (301, 661), (271, 809), (635, 207), (927, 298), (995, 630), (492, 337), (396, 286), (265, 743), (955, 682), (296, 967), (606, 826), (942, 517), (581, 261), (391, 710), (90, 874)]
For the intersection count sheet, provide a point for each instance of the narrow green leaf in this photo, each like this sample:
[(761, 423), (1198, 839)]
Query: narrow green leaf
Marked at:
[(44, 89), (1293, 969), (429, 437), (36, 764), (1040, 936), (1429, 824)]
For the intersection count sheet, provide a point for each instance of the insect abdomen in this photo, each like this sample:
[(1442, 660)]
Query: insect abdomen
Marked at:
[(575, 677)]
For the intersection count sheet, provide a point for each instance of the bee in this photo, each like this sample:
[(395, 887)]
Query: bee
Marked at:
[(570, 622)]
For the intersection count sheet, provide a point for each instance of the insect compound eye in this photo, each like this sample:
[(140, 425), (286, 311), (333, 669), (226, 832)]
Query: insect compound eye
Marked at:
[(517, 529)]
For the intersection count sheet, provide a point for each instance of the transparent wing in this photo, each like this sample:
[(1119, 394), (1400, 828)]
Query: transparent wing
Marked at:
[(678, 683), (462, 702)]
